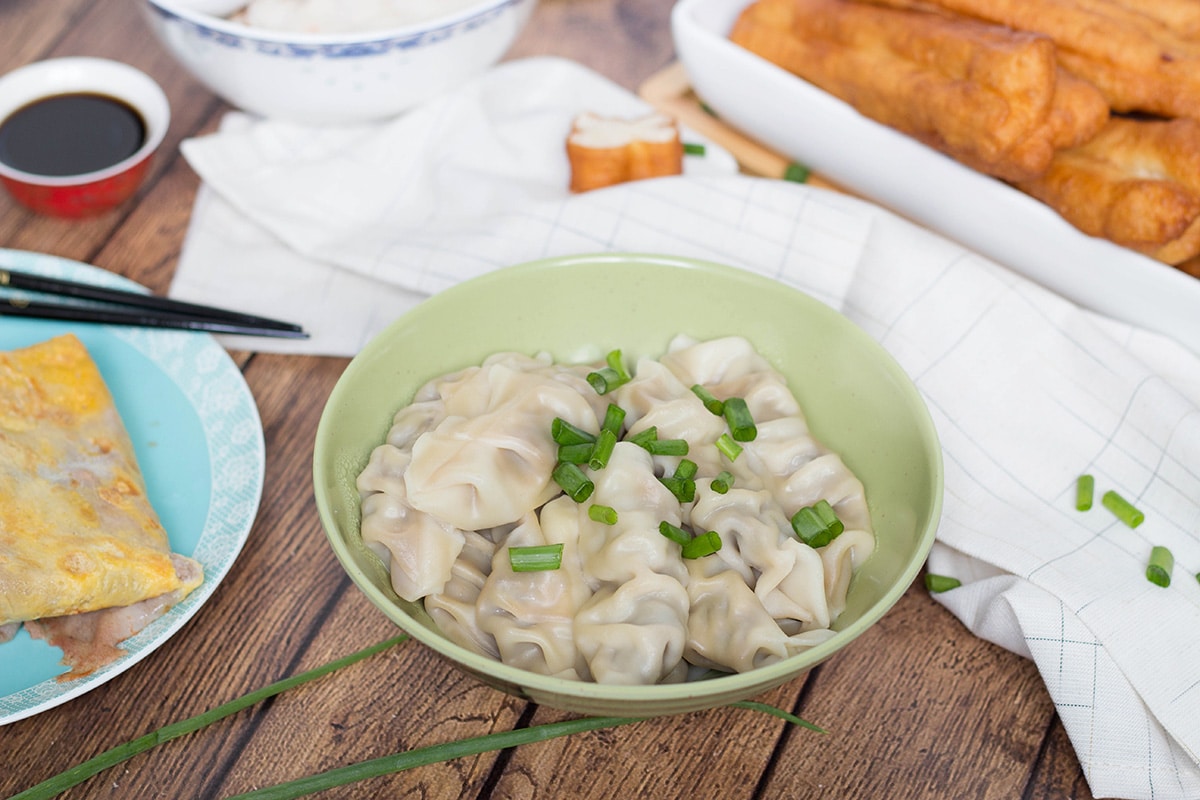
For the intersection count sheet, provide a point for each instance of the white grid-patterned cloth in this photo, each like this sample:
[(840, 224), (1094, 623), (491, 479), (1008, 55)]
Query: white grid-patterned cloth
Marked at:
[(344, 229)]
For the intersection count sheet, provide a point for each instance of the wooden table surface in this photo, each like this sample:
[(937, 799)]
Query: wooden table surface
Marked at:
[(915, 708)]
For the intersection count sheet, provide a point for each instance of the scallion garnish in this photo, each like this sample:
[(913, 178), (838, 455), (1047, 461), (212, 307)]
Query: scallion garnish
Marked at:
[(535, 558), (728, 447), (604, 380), (941, 583), (667, 447), (1122, 509), (616, 363), (686, 468), (741, 424), (722, 482), (703, 545), (573, 481), (714, 405), (645, 437), (674, 533), (1158, 570), (817, 525), (563, 432), (576, 453), (1085, 488), (684, 489), (795, 172), (693, 149), (603, 449), (605, 514), (614, 417)]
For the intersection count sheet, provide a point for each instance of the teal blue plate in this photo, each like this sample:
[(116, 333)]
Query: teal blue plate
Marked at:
[(198, 437)]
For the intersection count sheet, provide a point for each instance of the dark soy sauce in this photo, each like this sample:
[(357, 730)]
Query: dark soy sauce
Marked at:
[(70, 134)]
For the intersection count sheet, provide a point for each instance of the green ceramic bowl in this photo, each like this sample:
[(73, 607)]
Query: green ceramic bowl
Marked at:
[(857, 399)]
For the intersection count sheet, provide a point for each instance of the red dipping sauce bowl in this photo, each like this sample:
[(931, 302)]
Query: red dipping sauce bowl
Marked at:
[(63, 96)]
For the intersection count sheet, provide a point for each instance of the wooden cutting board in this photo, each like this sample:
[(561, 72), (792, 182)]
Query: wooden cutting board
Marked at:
[(671, 92)]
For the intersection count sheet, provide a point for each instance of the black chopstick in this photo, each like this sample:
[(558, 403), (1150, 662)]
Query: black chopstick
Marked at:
[(66, 288), (143, 318)]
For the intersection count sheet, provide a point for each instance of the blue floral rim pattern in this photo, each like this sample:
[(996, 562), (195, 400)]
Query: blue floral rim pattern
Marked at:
[(340, 49)]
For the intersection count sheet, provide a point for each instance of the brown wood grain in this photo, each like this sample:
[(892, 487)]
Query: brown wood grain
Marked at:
[(916, 708)]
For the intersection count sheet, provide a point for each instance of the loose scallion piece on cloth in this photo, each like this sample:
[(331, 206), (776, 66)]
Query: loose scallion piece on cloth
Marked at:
[(563, 432), (692, 149), (1085, 490), (703, 545), (741, 423), (573, 481), (817, 525), (673, 532), (110, 758), (602, 450), (535, 558), (940, 583), (722, 482), (1158, 570), (795, 172), (605, 514), (714, 405), (728, 447), (1122, 509)]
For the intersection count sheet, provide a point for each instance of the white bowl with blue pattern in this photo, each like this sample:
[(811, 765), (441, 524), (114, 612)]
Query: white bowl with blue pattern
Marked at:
[(337, 78)]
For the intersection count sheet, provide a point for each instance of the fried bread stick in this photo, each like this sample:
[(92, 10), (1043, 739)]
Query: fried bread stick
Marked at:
[(1143, 55), (991, 98), (1137, 184)]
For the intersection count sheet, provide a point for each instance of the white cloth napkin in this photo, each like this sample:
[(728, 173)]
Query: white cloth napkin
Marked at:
[(345, 229)]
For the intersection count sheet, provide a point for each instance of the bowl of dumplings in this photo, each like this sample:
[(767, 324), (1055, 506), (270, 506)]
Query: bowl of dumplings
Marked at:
[(628, 484), (332, 62)]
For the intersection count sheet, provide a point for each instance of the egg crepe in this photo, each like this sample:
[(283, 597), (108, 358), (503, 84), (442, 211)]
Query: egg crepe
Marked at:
[(78, 534)]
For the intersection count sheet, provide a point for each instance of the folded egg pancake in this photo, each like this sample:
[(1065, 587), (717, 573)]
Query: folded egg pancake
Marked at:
[(78, 534)]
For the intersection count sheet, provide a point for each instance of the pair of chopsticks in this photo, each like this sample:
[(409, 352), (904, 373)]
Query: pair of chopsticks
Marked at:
[(131, 308)]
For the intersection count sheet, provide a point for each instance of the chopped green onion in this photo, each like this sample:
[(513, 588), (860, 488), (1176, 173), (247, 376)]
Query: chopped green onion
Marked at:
[(603, 449), (563, 432), (613, 359), (797, 173), (941, 583), (693, 149), (573, 481), (605, 379), (535, 558), (614, 417), (1122, 509), (714, 405), (576, 453), (703, 545), (722, 482), (667, 447), (674, 533), (707, 109), (817, 525), (1085, 488), (741, 424), (605, 514), (644, 438), (684, 489), (728, 447), (1158, 571), (686, 469)]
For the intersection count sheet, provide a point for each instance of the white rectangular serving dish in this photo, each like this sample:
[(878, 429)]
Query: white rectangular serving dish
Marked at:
[(806, 124)]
